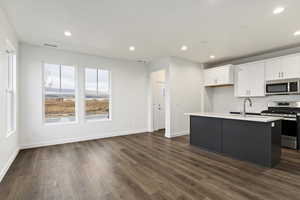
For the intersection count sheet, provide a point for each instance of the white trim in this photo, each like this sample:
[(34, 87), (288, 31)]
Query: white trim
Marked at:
[(179, 133), (11, 111), (97, 120), (80, 139), (8, 164), (10, 133), (61, 123)]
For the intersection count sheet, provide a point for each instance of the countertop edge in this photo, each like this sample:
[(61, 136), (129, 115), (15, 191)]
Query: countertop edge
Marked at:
[(235, 117)]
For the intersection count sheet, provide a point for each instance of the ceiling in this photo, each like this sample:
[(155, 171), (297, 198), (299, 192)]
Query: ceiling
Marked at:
[(157, 28)]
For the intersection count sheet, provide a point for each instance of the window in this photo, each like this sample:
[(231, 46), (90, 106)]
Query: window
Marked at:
[(97, 94), (59, 93), (11, 92)]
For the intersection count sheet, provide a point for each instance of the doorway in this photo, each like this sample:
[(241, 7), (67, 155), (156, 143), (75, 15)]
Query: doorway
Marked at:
[(158, 91)]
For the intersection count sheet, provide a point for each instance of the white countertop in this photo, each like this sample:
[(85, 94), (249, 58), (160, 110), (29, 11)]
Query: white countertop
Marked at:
[(236, 116)]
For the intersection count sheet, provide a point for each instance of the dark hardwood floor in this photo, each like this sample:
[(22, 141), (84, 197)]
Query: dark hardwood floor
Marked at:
[(145, 167)]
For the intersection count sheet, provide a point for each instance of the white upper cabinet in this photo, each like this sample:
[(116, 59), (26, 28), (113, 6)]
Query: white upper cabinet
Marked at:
[(250, 80), (273, 69), (286, 67), (219, 76), (291, 66)]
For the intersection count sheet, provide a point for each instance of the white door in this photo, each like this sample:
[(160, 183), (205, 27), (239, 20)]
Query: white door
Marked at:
[(159, 105)]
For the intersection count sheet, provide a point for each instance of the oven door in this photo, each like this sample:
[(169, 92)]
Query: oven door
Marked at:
[(277, 88), (289, 134)]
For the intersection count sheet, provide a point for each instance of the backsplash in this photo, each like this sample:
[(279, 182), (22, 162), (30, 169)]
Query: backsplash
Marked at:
[(223, 100)]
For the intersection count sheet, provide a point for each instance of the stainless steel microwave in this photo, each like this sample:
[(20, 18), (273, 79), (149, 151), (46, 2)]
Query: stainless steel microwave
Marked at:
[(278, 87)]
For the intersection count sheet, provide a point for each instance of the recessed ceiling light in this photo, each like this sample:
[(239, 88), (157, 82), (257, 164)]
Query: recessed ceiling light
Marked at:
[(278, 10), (68, 33), (297, 33), (212, 56), (184, 48), (131, 48)]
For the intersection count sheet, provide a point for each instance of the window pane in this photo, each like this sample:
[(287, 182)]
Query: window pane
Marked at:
[(67, 78), (52, 81), (103, 82), (97, 91), (11, 90), (59, 93), (11, 112), (91, 82), (11, 71)]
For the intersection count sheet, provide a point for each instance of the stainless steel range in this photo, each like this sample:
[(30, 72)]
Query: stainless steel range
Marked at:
[(290, 111)]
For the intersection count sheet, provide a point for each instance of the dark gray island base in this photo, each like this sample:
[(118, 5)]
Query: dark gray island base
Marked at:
[(256, 142)]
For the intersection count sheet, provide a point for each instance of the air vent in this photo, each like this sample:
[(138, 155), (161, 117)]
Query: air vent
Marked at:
[(142, 61), (50, 45)]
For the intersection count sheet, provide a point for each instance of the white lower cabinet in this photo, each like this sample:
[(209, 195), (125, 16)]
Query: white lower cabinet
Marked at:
[(250, 80)]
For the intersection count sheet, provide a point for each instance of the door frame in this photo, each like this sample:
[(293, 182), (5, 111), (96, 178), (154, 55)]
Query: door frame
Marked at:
[(167, 102)]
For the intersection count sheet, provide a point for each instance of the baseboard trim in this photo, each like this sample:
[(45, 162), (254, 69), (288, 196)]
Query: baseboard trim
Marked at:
[(81, 139), (8, 164), (179, 133)]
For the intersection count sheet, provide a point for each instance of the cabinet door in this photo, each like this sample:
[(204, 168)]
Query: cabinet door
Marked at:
[(209, 77), (225, 75), (242, 81), (256, 80), (239, 138), (273, 69), (250, 80), (206, 132), (218, 76), (291, 66)]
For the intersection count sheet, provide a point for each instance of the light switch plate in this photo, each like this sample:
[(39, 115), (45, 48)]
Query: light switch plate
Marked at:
[(273, 124)]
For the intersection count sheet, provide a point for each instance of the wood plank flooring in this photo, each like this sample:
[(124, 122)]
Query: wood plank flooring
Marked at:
[(145, 167)]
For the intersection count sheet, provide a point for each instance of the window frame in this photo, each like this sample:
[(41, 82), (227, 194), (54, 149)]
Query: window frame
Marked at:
[(84, 95), (76, 121), (11, 89)]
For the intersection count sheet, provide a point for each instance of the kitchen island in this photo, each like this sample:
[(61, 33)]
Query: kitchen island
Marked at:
[(256, 139)]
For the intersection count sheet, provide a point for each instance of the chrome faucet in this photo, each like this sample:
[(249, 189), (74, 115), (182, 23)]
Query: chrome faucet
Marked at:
[(244, 108)]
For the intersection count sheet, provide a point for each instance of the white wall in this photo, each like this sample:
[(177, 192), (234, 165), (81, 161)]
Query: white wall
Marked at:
[(223, 100), (129, 98), (186, 91), (8, 145)]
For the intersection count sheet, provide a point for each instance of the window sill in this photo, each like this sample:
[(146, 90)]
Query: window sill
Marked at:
[(59, 123), (97, 120)]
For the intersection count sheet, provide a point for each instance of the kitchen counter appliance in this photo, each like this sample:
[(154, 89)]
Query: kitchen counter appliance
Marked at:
[(282, 87), (290, 111)]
